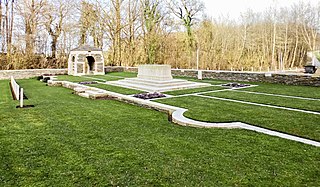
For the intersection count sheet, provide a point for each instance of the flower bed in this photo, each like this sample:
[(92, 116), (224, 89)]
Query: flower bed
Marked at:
[(236, 85), (149, 95), (88, 82)]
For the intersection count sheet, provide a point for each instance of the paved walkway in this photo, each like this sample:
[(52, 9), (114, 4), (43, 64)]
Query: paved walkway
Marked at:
[(177, 112)]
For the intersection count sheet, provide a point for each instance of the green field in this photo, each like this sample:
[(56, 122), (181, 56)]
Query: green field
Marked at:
[(67, 140)]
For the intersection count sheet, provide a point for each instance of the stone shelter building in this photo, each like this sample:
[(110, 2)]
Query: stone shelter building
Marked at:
[(86, 60)]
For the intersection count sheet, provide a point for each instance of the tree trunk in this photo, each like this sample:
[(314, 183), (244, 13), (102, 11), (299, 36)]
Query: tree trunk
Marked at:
[(118, 31), (54, 46), (1, 22), (7, 24), (9, 40), (273, 46)]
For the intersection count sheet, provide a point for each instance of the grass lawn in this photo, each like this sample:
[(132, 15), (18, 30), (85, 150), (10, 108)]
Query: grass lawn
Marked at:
[(271, 100), (104, 77), (210, 81), (114, 76), (122, 74), (196, 90), (87, 78), (75, 78), (66, 140), (117, 89), (205, 109), (302, 91)]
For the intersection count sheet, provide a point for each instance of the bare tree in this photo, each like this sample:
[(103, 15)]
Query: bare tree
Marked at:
[(31, 12), (1, 30), (54, 23), (310, 19), (187, 11), (132, 32), (117, 11), (152, 18)]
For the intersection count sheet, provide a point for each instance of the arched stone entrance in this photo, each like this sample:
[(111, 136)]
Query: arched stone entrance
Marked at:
[(86, 60), (90, 61)]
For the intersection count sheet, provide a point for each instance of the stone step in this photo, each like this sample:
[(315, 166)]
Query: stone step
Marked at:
[(155, 88), (159, 84), (94, 92), (86, 95)]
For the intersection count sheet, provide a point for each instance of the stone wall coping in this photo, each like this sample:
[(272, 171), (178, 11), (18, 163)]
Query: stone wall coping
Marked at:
[(245, 72), (29, 73), (34, 70)]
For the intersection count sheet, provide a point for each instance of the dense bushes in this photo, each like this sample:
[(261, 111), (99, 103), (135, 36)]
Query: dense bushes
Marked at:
[(35, 61)]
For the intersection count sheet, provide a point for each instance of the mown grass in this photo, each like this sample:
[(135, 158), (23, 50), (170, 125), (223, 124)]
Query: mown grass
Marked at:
[(270, 100), (195, 90), (75, 78), (104, 77), (113, 76), (117, 89), (211, 110), (122, 74), (210, 81), (300, 91), (67, 140)]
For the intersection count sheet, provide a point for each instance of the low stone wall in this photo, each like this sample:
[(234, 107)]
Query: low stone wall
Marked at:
[(280, 78), (131, 69), (109, 69), (29, 73)]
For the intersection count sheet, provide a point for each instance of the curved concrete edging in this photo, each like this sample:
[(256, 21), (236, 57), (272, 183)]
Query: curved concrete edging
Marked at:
[(177, 113), (179, 118)]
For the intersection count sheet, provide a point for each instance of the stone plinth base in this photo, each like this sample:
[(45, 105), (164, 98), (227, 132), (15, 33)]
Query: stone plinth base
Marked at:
[(156, 78), (156, 85)]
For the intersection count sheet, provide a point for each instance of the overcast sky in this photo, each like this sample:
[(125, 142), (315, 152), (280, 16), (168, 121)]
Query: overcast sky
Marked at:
[(233, 8)]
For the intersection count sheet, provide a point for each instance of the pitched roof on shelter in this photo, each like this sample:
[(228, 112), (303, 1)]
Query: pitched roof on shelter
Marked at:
[(86, 48)]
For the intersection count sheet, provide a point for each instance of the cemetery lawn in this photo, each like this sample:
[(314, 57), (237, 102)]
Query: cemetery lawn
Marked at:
[(196, 90), (310, 105), (125, 91), (210, 110), (102, 78), (67, 140)]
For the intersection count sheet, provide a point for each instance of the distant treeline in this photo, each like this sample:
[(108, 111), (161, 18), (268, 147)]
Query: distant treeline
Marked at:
[(40, 34)]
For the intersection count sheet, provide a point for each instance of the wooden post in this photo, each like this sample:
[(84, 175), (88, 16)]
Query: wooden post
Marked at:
[(199, 74), (21, 98), (198, 56)]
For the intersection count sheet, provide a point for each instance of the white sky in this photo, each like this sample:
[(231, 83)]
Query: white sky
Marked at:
[(233, 8)]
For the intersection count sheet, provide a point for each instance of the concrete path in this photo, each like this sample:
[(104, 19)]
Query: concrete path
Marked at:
[(180, 119), (176, 113)]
